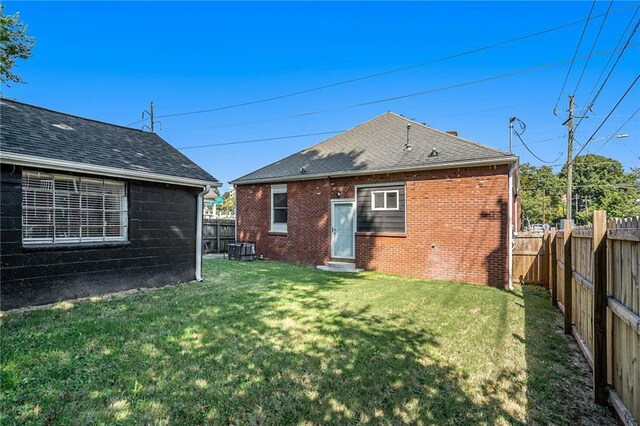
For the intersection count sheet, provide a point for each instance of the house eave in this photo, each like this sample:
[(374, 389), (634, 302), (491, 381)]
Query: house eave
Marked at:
[(312, 176), (70, 166)]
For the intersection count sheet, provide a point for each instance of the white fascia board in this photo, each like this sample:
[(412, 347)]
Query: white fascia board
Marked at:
[(70, 166), (454, 165)]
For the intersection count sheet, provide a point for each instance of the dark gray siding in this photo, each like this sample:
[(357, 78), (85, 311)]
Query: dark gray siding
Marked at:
[(160, 250), (380, 220)]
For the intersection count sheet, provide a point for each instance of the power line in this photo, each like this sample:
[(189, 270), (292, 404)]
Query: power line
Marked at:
[(575, 53), (617, 132), (392, 71), (593, 46), (425, 92), (262, 140), (606, 65), (608, 115), (593, 101), (532, 153)]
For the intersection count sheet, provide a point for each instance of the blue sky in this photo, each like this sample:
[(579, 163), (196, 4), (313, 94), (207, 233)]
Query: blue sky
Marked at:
[(107, 60)]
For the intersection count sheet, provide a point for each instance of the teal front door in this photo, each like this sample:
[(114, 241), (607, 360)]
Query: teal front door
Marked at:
[(342, 229)]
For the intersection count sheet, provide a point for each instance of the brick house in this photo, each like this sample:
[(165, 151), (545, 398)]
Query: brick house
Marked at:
[(390, 195), (89, 208)]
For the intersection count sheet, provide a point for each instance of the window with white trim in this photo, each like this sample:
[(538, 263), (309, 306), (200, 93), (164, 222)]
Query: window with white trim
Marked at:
[(385, 200), (70, 209), (279, 208)]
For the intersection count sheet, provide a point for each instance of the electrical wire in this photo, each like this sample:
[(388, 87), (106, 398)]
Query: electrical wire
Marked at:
[(608, 115), (426, 92), (593, 101), (532, 153), (575, 53), (391, 71), (593, 46), (606, 65), (261, 140), (617, 132)]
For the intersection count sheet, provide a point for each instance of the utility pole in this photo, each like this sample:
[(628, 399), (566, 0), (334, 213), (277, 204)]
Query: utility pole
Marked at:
[(569, 123), (151, 116), (152, 122), (511, 120)]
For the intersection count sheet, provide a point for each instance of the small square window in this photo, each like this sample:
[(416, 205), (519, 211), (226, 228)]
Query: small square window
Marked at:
[(385, 200)]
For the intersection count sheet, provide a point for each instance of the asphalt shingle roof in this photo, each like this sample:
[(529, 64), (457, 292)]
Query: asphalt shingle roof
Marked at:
[(378, 146), (31, 130)]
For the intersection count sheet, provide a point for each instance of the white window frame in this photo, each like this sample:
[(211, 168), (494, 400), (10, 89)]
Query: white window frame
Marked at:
[(278, 189), (51, 189), (373, 205)]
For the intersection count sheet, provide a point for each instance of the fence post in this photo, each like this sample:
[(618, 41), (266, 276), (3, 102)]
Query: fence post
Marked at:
[(544, 272), (218, 236), (568, 278), (600, 306), (553, 280)]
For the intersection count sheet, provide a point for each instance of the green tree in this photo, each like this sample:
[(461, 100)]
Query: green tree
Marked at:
[(602, 183), (539, 187), (15, 44), (229, 202)]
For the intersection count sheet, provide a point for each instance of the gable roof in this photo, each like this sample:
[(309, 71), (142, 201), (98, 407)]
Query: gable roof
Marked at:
[(377, 146), (57, 140)]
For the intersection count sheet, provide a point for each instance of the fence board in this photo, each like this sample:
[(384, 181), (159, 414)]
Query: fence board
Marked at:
[(214, 243), (624, 293), (529, 253)]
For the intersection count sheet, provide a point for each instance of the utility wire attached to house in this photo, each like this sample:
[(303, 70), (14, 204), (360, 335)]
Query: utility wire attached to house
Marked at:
[(523, 128)]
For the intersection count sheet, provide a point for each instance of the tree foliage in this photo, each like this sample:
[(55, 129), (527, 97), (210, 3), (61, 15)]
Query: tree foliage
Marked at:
[(541, 189), (15, 44), (598, 183), (229, 202)]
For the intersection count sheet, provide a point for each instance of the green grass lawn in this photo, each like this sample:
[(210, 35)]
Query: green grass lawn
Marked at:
[(267, 342)]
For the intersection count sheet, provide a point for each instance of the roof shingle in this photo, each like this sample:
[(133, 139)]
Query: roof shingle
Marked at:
[(378, 146), (34, 131)]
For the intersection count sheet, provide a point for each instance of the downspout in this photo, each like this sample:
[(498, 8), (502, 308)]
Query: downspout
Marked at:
[(510, 226), (199, 232)]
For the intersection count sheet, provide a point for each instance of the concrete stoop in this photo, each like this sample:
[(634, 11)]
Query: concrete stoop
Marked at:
[(335, 266)]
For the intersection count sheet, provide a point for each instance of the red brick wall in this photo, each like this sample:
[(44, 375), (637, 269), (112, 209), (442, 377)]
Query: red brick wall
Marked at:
[(456, 224)]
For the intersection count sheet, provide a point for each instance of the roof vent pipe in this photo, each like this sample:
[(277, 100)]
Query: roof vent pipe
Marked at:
[(407, 146)]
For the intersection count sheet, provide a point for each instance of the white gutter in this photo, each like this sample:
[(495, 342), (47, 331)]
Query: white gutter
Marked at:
[(71, 166), (510, 226), (311, 176), (201, 195)]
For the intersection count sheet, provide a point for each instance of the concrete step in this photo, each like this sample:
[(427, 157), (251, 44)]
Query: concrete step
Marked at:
[(335, 266), (341, 265)]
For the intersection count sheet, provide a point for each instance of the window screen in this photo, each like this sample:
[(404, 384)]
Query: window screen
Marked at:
[(63, 208)]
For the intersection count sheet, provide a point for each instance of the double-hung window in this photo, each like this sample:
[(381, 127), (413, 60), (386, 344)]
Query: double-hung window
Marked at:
[(385, 200), (279, 208), (71, 209)]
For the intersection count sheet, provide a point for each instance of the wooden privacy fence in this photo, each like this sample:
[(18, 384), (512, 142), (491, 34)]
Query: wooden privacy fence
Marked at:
[(217, 234), (596, 285), (593, 274), (529, 258)]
